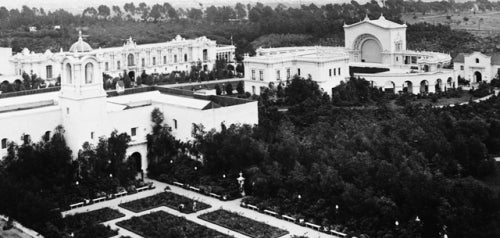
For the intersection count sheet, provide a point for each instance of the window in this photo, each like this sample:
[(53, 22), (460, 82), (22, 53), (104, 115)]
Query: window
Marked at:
[(477, 60), (143, 62), (261, 75), (330, 72), (4, 143), (461, 67), (48, 69), (205, 55), (175, 124), (288, 73), (175, 58), (133, 131), (397, 59), (164, 59), (69, 74), (278, 75), (118, 64), (106, 66), (46, 136), (298, 71), (154, 60), (92, 135), (334, 72), (414, 59), (67, 110), (253, 90), (339, 71), (253, 74), (185, 57), (89, 73), (130, 59)]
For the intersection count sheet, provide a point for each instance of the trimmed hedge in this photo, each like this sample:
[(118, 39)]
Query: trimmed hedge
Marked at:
[(167, 199)]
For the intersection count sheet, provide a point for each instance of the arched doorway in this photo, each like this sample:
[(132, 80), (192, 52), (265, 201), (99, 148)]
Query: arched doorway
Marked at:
[(389, 87), (131, 75), (408, 87), (439, 85), (371, 51), (449, 82), (477, 77), (424, 86), (136, 158)]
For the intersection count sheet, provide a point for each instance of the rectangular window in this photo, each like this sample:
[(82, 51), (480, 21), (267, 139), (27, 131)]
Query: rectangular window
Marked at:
[(164, 59), (118, 64), (330, 72), (414, 59), (49, 71), (253, 74), (461, 67), (261, 75), (67, 110), (133, 131), (92, 135), (334, 72), (288, 73), (175, 124), (143, 62), (154, 60), (339, 71), (175, 58), (4, 143), (278, 75), (106, 66), (298, 71), (26, 139)]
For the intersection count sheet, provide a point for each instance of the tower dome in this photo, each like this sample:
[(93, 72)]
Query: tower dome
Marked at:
[(80, 46)]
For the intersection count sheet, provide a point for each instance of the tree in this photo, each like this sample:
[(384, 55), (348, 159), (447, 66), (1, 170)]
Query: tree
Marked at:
[(229, 89), (117, 12), (218, 90), (240, 88), (104, 11), (157, 11), (90, 12), (241, 12)]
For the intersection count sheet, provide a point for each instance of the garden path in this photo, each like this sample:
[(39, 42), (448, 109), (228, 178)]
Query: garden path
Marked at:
[(233, 206)]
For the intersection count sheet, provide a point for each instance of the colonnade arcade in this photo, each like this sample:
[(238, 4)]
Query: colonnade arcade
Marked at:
[(419, 86)]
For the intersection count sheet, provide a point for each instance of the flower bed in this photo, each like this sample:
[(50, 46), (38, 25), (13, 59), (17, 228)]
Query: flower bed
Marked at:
[(85, 224), (172, 200), (243, 224), (161, 224)]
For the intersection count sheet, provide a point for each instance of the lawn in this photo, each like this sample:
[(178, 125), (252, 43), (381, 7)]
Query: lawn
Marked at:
[(87, 224), (161, 224), (243, 224), (167, 199)]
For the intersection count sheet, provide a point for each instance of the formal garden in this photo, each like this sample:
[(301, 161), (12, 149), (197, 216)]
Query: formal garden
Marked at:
[(88, 224), (243, 225), (161, 224), (168, 199)]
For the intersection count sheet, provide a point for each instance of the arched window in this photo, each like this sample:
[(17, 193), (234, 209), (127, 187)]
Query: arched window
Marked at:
[(205, 55), (4, 143), (69, 74), (185, 57), (130, 60), (477, 60), (89, 73)]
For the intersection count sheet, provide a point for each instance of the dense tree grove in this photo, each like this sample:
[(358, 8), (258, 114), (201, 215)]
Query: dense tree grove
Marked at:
[(38, 180), (252, 25), (377, 164)]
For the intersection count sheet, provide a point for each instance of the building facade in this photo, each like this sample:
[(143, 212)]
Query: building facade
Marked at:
[(477, 67), (87, 112), (177, 54), (369, 44)]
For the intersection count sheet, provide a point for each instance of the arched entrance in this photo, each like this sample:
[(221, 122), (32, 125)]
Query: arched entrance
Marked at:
[(424, 86), (369, 47), (449, 82), (136, 158), (389, 87), (439, 85), (408, 87), (477, 77), (131, 75)]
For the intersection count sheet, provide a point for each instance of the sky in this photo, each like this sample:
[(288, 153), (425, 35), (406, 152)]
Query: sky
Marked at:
[(77, 6)]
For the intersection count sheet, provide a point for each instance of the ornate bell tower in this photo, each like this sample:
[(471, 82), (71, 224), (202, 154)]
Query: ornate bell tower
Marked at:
[(82, 98)]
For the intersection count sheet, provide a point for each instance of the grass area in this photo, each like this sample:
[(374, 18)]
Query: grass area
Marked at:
[(243, 224), (161, 224), (87, 224), (167, 199)]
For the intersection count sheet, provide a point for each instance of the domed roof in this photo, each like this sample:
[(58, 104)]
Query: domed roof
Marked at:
[(80, 46)]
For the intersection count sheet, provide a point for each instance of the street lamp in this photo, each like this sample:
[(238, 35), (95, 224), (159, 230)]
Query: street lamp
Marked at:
[(241, 182), (396, 223), (195, 168), (224, 176), (299, 196), (417, 219), (110, 175), (77, 183)]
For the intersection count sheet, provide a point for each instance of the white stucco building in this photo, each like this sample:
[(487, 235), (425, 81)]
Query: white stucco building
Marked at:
[(374, 50), (477, 67), (87, 112), (177, 54)]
